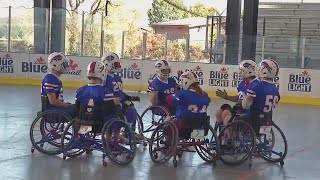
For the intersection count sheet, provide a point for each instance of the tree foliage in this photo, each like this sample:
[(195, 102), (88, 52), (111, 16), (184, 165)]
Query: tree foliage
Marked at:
[(161, 11)]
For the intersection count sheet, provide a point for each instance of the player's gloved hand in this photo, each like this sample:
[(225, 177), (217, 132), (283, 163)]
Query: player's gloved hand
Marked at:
[(178, 88), (222, 94), (135, 98), (117, 100)]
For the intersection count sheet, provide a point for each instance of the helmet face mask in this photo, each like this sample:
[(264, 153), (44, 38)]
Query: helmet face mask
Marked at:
[(58, 62), (163, 69), (112, 62)]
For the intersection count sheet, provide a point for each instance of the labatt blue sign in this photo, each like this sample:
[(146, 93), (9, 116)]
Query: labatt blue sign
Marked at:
[(300, 82), (6, 64), (219, 78), (40, 66), (133, 72)]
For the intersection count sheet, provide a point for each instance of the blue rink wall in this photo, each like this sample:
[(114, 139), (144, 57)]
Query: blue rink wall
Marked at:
[(296, 86)]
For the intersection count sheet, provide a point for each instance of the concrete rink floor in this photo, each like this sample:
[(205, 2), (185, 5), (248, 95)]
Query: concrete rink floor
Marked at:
[(19, 105)]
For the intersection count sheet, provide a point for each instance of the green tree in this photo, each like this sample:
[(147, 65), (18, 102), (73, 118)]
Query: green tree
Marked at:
[(162, 11), (203, 11)]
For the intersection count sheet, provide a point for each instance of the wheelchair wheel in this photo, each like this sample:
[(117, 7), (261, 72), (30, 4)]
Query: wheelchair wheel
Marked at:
[(210, 147), (237, 143), (72, 143), (46, 130), (274, 148), (119, 142), (163, 142), (151, 118)]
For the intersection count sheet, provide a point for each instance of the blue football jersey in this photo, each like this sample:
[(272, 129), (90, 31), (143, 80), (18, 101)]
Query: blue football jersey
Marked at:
[(242, 90), (93, 94), (114, 83), (52, 84), (189, 104), (163, 88), (266, 96)]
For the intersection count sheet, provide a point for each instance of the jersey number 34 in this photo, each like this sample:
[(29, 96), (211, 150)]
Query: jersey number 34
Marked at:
[(195, 109)]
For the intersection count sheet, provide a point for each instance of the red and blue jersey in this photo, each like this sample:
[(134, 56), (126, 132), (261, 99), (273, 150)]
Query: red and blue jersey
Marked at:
[(114, 83), (163, 88), (52, 84), (242, 88), (93, 94), (266, 96), (189, 104)]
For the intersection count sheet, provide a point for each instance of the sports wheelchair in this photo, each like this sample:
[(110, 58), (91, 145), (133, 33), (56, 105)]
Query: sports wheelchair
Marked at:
[(243, 139), (150, 118), (92, 130), (46, 129), (167, 141)]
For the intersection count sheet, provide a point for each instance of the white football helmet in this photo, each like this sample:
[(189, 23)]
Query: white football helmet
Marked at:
[(163, 68), (58, 62), (267, 68), (112, 62), (247, 69), (187, 78), (96, 69)]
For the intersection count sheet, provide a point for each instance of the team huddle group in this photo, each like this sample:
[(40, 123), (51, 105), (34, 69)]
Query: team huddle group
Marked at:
[(184, 99)]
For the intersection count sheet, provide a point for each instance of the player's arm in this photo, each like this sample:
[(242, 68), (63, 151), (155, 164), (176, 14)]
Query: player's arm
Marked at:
[(131, 98), (55, 101), (174, 99), (153, 94), (249, 98), (224, 95)]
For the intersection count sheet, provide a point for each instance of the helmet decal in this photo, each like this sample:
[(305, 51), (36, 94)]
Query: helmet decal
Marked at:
[(92, 66), (266, 65)]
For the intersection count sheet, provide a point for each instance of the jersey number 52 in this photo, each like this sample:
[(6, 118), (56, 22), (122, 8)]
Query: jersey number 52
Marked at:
[(271, 102)]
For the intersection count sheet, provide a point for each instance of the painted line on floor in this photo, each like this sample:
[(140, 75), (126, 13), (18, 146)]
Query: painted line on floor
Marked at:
[(255, 172)]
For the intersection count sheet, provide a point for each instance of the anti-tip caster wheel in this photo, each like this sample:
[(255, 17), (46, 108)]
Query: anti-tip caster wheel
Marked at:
[(214, 163), (89, 152), (155, 155), (64, 157), (32, 150), (104, 163), (250, 165), (175, 163), (281, 163), (145, 144)]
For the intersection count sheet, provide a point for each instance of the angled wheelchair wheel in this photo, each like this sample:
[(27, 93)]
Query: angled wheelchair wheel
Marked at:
[(163, 142), (237, 142), (119, 142), (209, 148), (274, 148), (72, 144), (46, 130), (151, 118)]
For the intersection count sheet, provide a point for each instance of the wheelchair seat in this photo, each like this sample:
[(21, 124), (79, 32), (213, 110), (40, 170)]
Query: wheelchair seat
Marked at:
[(259, 119), (194, 124), (44, 102)]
